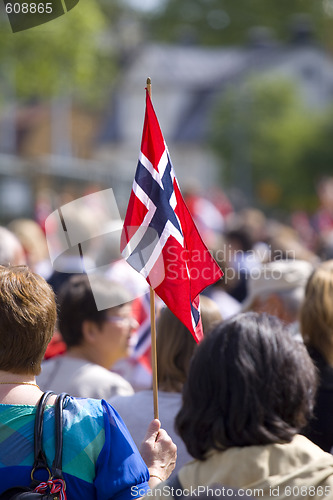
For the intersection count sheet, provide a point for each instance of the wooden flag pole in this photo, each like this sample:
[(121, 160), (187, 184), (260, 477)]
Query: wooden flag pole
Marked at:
[(153, 326), (153, 351), (149, 86)]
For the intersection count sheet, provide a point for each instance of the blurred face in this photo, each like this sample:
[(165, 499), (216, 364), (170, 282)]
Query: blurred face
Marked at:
[(116, 332), (273, 304), (326, 194)]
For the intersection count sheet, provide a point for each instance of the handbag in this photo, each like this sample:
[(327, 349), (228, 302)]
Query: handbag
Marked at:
[(54, 488)]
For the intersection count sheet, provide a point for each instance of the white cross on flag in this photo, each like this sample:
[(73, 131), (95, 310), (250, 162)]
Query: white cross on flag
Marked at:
[(159, 238)]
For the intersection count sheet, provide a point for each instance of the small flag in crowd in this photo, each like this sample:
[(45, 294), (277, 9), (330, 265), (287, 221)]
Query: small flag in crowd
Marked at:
[(159, 238)]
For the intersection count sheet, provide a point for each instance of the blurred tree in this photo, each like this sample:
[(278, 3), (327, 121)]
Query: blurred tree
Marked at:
[(216, 22), (127, 28), (316, 159), (268, 146), (67, 55)]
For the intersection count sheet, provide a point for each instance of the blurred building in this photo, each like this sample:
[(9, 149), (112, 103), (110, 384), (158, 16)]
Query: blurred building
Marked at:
[(58, 145), (187, 81), (47, 158)]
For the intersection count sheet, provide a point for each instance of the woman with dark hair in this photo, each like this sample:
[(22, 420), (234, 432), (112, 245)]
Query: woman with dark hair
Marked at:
[(175, 348), (249, 392)]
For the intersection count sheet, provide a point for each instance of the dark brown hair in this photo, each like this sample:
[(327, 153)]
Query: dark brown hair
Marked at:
[(77, 303), (249, 383), (27, 319)]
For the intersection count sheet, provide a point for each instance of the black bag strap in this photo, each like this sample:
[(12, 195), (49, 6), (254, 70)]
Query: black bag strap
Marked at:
[(57, 462), (39, 490), (40, 457), (40, 461)]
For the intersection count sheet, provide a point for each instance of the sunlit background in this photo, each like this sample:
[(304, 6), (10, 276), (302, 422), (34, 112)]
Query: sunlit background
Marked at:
[(243, 92)]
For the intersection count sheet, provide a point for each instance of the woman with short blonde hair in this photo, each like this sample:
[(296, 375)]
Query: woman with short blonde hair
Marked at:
[(316, 320), (317, 311)]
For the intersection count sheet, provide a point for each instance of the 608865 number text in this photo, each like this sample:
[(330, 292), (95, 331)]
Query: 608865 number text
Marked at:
[(29, 8)]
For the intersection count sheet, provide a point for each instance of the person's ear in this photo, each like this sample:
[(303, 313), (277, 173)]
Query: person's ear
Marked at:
[(89, 331)]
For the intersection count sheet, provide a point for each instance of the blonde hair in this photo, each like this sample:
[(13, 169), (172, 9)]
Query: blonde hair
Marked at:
[(31, 238), (11, 250), (316, 316), (176, 345)]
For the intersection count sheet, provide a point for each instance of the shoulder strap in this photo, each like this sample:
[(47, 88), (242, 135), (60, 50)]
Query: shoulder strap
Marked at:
[(57, 462), (40, 457), (40, 461)]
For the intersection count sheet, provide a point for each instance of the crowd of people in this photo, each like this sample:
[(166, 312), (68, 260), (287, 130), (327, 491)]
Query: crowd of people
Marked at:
[(249, 409)]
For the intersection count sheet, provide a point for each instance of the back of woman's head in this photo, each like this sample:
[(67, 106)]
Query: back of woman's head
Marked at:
[(249, 383), (316, 316), (176, 345), (27, 319)]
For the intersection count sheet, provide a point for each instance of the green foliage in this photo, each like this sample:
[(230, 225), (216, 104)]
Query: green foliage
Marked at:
[(317, 156), (271, 145), (216, 22), (63, 55)]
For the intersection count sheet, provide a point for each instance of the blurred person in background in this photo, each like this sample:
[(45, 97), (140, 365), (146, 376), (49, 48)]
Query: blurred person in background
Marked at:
[(316, 320), (241, 258), (278, 288), (245, 236), (136, 368), (81, 224), (323, 218), (249, 391), (256, 222), (284, 243), (27, 245), (219, 291), (71, 260), (207, 216), (11, 250), (175, 347), (95, 339), (33, 241)]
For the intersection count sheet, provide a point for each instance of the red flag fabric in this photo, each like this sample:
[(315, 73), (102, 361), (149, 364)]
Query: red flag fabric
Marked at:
[(159, 238)]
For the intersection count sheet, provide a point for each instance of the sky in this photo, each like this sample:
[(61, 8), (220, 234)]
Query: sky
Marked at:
[(145, 5)]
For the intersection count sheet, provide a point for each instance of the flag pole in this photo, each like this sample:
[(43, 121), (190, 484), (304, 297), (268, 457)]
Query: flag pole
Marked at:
[(153, 326), (153, 351)]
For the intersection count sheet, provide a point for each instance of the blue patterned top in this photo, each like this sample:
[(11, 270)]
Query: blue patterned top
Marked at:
[(100, 459)]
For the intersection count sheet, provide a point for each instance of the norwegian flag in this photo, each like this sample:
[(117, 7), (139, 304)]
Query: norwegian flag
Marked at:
[(159, 238)]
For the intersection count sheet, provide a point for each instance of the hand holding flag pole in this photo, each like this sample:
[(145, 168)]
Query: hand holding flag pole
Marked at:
[(160, 240)]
